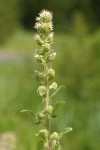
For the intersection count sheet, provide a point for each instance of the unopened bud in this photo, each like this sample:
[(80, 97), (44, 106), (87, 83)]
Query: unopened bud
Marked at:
[(41, 116), (39, 58), (49, 109), (50, 37), (42, 90), (43, 133), (46, 47), (38, 75), (55, 136), (52, 56), (53, 86), (38, 39), (51, 74)]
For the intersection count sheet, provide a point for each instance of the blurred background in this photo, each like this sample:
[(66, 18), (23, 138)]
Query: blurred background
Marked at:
[(77, 43)]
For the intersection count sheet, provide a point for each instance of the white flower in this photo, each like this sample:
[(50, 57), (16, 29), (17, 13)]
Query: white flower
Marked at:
[(45, 16)]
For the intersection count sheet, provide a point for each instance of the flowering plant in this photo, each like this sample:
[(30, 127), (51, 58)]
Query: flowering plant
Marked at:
[(48, 88)]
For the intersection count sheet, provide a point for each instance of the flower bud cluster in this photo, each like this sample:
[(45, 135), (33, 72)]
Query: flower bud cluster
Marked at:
[(50, 74), (44, 22), (49, 110), (44, 37), (42, 90), (39, 58), (53, 86), (41, 116), (38, 39), (38, 75), (55, 141), (43, 133)]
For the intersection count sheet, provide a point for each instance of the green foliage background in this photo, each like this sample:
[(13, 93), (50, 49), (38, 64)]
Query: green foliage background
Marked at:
[(77, 67)]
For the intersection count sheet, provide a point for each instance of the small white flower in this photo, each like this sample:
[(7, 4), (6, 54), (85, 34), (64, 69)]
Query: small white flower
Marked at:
[(45, 16)]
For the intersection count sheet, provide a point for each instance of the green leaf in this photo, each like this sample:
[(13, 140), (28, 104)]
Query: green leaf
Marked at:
[(57, 107), (65, 131), (28, 111)]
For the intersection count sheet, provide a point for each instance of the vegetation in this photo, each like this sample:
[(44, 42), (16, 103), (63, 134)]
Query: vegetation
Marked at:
[(78, 69)]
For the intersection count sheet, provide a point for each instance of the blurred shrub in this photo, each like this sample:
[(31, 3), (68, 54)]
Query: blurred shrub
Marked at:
[(8, 18)]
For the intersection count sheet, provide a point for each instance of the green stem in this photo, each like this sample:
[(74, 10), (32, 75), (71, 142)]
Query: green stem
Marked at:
[(47, 101)]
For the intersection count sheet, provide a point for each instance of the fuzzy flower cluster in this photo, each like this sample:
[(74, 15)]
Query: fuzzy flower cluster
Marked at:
[(44, 36), (44, 23), (44, 54)]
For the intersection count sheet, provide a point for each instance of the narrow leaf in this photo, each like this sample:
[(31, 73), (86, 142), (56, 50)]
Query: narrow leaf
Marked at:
[(57, 107), (65, 131), (60, 87), (28, 111)]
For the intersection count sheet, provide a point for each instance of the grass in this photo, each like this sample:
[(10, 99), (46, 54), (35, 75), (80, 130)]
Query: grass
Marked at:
[(77, 67)]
